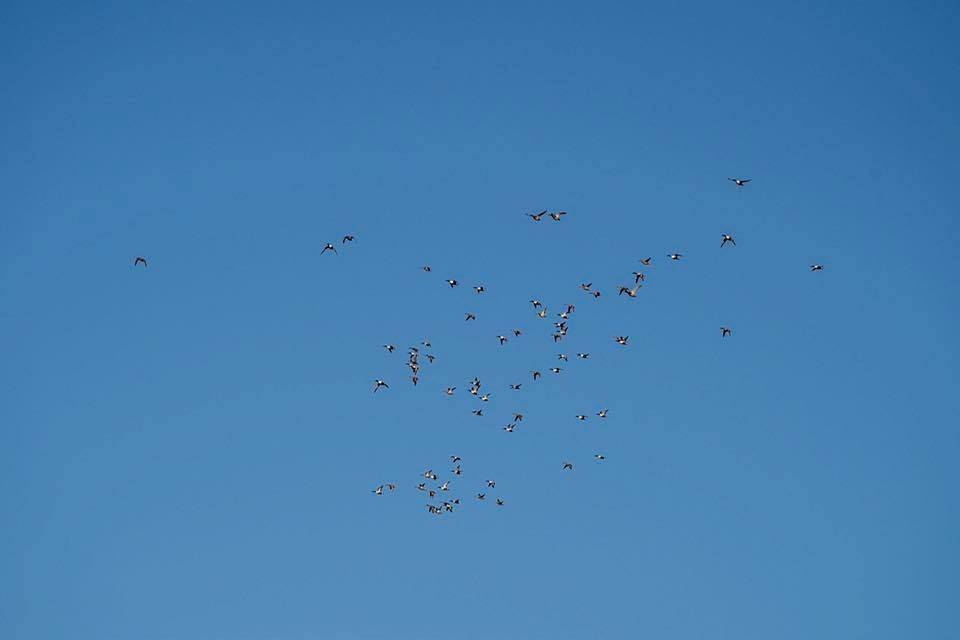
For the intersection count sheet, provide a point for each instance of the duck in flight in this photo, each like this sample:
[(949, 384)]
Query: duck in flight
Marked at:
[(725, 331), (347, 239), (452, 283), (568, 466), (675, 256), (646, 261), (140, 260), (470, 316), (739, 181), (622, 340), (537, 216), (379, 383), (328, 247), (727, 238), (816, 267), (556, 215)]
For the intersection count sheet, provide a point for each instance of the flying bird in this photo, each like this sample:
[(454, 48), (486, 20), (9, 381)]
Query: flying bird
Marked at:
[(515, 387), (536, 216), (470, 316), (379, 383), (816, 267), (140, 260), (675, 256), (347, 239), (427, 268), (542, 313), (555, 369), (583, 356), (563, 356), (638, 277), (725, 331), (491, 483), (328, 247), (646, 261), (379, 490), (536, 304), (556, 215), (581, 417), (502, 339), (536, 374), (622, 340), (478, 412), (599, 456), (727, 238), (481, 496), (603, 413), (452, 283), (517, 333), (479, 289), (586, 285), (739, 181), (510, 427), (390, 348), (499, 502), (568, 466), (450, 390)]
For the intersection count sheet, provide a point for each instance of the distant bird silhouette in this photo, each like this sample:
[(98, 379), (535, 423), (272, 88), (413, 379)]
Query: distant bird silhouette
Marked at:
[(452, 283), (470, 316), (379, 383), (328, 247), (390, 348), (499, 502), (816, 267), (427, 268), (347, 239), (536, 216), (556, 215), (599, 456), (140, 260), (739, 181), (603, 413), (646, 261), (725, 331), (479, 289), (502, 339), (568, 466), (675, 256), (727, 238), (622, 340)]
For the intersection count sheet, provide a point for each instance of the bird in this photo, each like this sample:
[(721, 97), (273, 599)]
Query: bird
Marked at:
[(450, 390), (431, 358), (630, 292), (599, 456), (485, 397), (536, 374), (586, 285), (727, 238), (481, 496), (510, 427), (568, 466), (429, 474), (479, 288), (328, 247), (426, 268), (499, 502), (379, 383), (646, 261), (415, 380), (445, 486), (638, 277), (390, 348), (603, 413), (422, 486), (536, 216), (581, 417), (478, 412), (542, 313), (391, 486), (556, 215), (455, 459), (816, 267), (517, 333), (379, 490), (491, 483), (675, 256), (518, 417), (739, 181), (452, 283), (347, 239), (139, 260), (515, 387), (563, 356), (426, 343), (596, 294), (470, 316), (502, 339), (536, 304), (583, 356), (725, 331), (457, 471), (622, 340), (555, 369)]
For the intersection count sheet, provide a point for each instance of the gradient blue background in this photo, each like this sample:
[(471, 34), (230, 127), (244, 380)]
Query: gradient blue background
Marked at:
[(187, 452)]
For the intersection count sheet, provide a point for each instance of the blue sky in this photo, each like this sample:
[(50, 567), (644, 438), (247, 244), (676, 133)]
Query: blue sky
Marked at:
[(188, 451)]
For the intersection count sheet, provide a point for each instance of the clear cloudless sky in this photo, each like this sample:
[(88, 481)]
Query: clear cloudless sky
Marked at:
[(188, 451)]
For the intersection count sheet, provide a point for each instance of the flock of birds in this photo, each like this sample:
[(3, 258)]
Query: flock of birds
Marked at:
[(560, 330)]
